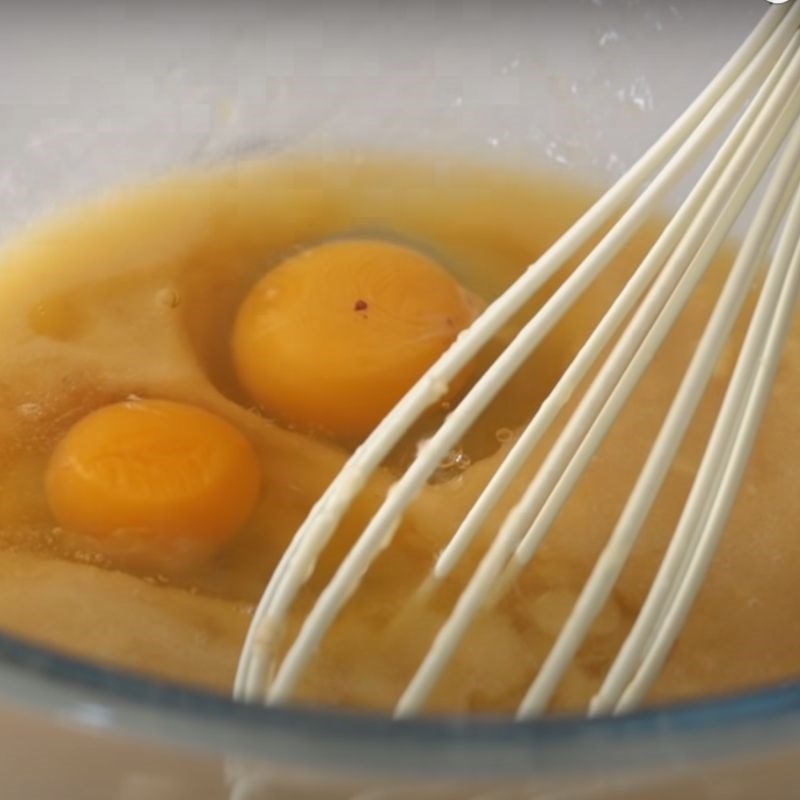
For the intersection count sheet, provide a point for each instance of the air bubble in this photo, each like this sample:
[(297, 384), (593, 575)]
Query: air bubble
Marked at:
[(504, 435), (168, 298), (451, 466), (30, 410)]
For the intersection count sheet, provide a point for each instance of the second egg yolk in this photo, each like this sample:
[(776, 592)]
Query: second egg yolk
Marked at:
[(332, 338), (153, 483)]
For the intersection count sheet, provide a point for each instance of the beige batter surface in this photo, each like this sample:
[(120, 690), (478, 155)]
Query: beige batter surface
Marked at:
[(135, 295)]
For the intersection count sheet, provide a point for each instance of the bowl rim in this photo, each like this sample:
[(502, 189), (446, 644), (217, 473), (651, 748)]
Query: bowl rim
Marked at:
[(83, 693)]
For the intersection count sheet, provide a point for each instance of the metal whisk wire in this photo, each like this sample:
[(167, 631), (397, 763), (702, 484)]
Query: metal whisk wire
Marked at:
[(767, 64)]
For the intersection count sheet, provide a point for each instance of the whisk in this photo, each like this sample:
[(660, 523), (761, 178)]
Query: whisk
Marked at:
[(759, 89)]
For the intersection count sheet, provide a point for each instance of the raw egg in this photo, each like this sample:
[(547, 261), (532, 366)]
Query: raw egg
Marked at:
[(333, 337), (153, 483)]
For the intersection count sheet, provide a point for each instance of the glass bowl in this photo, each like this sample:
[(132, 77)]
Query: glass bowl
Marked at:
[(96, 94)]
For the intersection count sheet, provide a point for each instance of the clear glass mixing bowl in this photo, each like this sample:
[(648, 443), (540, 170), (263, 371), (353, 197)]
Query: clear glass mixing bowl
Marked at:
[(94, 94)]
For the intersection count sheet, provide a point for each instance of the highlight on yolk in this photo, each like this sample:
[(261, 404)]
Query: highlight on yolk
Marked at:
[(153, 483), (332, 338)]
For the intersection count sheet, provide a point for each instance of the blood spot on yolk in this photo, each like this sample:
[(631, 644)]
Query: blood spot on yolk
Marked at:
[(153, 483), (332, 338)]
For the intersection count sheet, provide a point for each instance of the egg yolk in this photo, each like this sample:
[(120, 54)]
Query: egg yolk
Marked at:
[(153, 483), (332, 338)]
